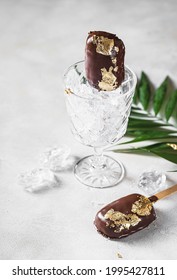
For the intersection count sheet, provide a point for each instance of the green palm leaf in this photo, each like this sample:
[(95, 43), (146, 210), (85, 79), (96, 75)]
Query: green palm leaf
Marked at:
[(166, 150), (144, 125), (144, 91), (150, 135), (171, 105), (159, 96)]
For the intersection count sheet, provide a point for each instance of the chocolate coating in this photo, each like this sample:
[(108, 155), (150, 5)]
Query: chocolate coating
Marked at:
[(104, 60), (125, 216), (153, 198)]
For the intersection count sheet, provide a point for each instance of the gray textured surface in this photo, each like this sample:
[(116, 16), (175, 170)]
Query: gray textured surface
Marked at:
[(39, 40)]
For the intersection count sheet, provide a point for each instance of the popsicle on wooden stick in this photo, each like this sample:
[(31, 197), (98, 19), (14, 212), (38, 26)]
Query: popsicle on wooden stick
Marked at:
[(125, 216), (128, 214)]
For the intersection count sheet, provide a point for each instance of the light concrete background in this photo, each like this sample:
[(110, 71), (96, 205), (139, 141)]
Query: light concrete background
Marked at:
[(38, 41)]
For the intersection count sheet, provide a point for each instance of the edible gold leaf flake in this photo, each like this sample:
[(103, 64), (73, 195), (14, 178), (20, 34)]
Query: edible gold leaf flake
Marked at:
[(173, 146), (121, 221), (68, 91), (103, 45), (142, 207), (114, 60), (119, 255), (109, 80), (116, 49)]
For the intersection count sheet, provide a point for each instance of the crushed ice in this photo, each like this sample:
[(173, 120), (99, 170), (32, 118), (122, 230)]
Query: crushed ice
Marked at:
[(57, 158), (38, 180), (152, 182), (53, 160)]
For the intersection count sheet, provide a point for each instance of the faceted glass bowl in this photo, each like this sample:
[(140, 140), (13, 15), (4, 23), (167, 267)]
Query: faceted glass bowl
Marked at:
[(98, 119)]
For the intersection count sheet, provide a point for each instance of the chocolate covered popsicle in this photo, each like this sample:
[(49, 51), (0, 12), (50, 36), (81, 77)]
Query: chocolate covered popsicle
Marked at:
[(128, 214), (104, 60), (125, 216)]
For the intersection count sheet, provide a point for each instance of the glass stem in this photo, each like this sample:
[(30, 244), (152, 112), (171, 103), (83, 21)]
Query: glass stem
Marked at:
[(98, 159)]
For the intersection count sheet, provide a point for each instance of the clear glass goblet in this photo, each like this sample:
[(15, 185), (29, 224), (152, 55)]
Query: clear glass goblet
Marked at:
[(98, 119)]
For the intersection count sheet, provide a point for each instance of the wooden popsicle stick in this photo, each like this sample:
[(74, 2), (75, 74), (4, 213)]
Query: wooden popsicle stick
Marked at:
[(163, 194)]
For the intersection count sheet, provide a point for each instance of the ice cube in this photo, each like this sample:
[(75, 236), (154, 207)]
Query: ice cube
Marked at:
[(56, 158), (152, 181), (38, 180)]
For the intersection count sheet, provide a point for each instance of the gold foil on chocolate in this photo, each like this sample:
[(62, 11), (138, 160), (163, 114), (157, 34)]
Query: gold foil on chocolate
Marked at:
[(173, 146), (103, 45), (116, 49), (109, 80), (142, 207), (114, 60), (121, 221)]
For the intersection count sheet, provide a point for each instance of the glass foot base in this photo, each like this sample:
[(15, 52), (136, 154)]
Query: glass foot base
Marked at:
[(108, 175)]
